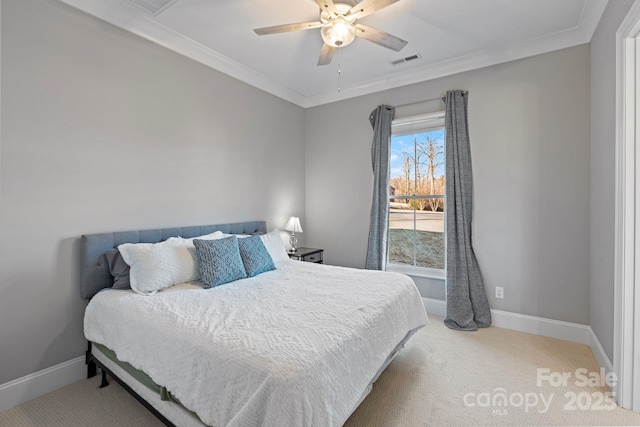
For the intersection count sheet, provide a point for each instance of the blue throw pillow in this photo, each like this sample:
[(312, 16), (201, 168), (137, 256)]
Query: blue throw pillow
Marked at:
[(255, 256), (219, 261)]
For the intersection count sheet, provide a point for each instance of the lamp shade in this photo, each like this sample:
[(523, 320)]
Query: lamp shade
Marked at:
[(293, 225)]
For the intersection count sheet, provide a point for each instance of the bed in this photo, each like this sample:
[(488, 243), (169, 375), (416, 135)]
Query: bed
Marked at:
[(301, 344)]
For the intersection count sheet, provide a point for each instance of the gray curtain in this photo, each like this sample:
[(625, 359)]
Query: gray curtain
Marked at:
[(467, 303), (377, 249)]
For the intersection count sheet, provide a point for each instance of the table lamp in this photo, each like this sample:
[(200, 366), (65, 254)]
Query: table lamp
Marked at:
[(293, 225)]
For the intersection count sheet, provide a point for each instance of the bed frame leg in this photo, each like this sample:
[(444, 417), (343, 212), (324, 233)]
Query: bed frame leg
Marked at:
[(104, 382), (91, 364), (92, 369)]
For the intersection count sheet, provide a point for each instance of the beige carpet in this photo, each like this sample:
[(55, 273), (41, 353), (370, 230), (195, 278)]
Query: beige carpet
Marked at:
[(426, 385)]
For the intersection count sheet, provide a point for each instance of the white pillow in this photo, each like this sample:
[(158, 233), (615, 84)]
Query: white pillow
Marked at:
[(156, 266), (239, 236), (211, 236), (273, 242)]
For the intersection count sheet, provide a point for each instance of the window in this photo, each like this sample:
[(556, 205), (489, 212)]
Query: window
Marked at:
[(417, 195)]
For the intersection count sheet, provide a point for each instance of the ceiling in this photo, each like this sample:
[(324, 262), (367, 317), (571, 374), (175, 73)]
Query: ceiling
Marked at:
[(450, 36)]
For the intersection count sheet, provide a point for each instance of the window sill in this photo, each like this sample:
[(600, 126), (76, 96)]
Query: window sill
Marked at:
[(410, 270)]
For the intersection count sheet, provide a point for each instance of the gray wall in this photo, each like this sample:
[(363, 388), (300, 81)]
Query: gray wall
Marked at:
[(602, 179), (529, 124), (102, 130)]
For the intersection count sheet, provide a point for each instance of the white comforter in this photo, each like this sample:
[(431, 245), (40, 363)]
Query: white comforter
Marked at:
[(297, 346)]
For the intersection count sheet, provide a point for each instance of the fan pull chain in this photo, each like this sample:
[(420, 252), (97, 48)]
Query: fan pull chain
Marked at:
[(339, 67)]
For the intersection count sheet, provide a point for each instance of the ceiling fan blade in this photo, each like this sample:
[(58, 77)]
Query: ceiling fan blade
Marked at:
[(287, 28), (380, 37), (367, 7), (328, 6), (326, 54)]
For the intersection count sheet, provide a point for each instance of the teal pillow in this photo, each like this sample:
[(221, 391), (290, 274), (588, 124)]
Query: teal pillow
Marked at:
[(255, 256), (219, 261)]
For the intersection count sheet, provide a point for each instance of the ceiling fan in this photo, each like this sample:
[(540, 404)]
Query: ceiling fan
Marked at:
[(339, 27)]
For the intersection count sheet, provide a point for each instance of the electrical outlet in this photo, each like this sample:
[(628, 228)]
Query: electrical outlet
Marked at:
[(499, 292)]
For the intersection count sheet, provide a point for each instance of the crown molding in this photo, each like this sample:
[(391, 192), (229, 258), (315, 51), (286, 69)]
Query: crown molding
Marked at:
[(125, 16), (590, 17), (129, 18), (457, 65), (581, 34)]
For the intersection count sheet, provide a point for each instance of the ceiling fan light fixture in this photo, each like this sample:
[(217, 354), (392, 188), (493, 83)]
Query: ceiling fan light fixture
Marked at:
[(339, 26), (338, 32)]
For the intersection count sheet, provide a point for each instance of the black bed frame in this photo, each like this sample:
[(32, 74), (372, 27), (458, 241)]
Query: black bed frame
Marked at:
[(92, 370)]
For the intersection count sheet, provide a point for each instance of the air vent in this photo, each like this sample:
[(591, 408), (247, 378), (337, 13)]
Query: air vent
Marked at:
[(407, 59), (153, 7)]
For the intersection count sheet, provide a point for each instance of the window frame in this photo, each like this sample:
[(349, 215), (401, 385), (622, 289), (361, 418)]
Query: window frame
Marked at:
[(408, 126)]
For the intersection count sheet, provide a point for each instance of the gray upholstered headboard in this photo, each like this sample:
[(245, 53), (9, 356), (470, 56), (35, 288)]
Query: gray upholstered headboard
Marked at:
[(94, 272)]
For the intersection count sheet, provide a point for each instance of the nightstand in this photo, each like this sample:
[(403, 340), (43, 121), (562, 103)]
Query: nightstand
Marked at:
[(307, 255)]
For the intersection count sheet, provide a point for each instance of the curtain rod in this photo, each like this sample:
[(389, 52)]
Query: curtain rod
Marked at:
[(437, 98), (441, 98)]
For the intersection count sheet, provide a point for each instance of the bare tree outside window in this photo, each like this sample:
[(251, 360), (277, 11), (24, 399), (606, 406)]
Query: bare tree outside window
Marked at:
[(434, 152), (416, 217)]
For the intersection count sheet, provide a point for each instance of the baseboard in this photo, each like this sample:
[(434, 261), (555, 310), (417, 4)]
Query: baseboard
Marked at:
[(524, 323), (42, 382), (599, 353), (568, 331), (435, 306)]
